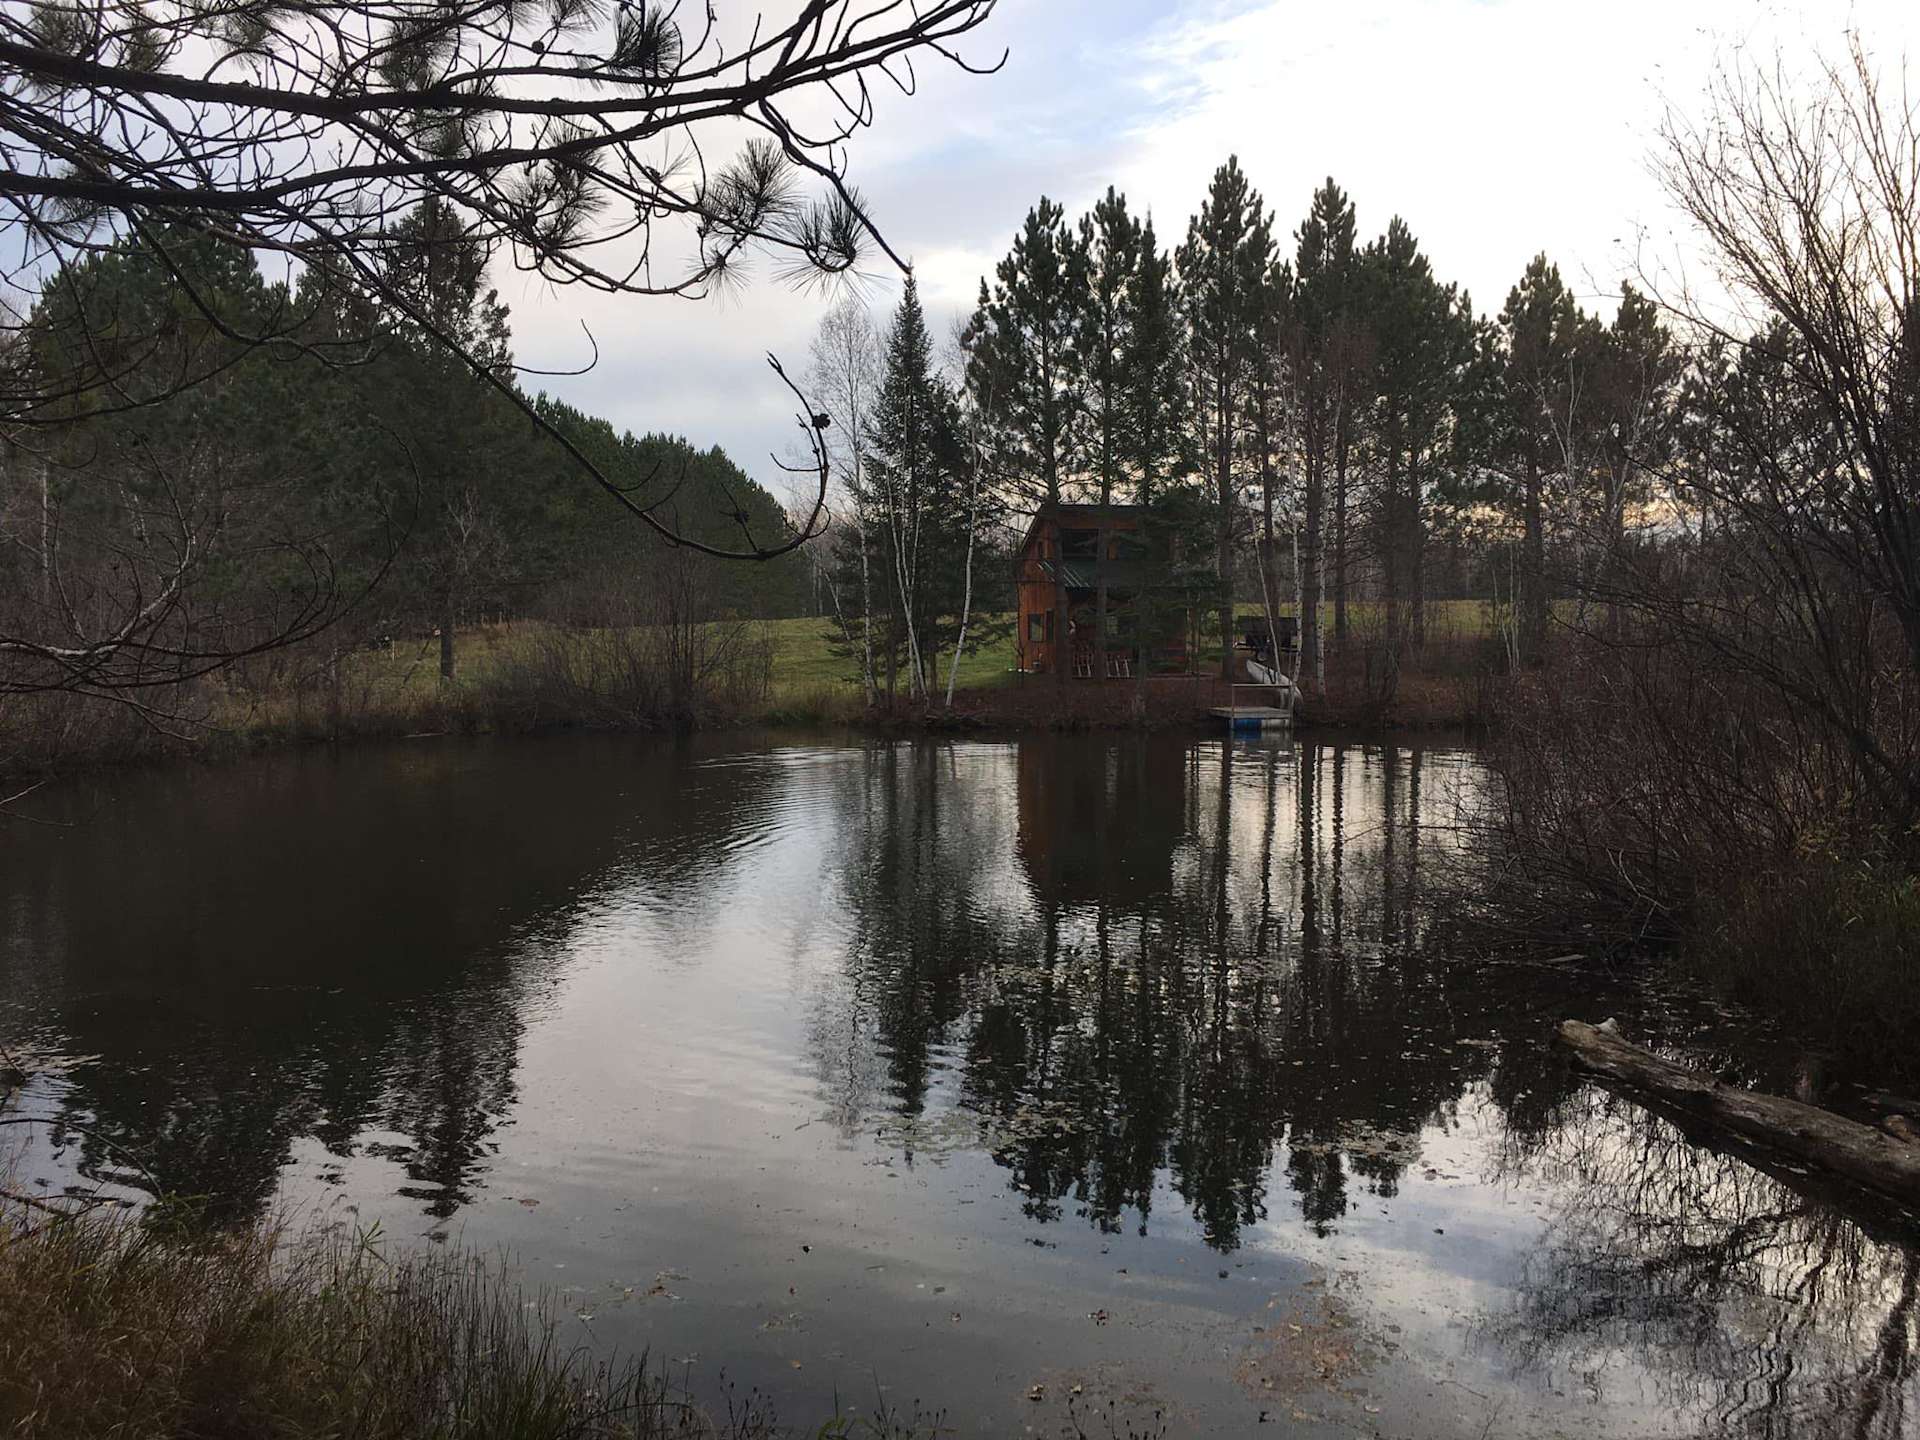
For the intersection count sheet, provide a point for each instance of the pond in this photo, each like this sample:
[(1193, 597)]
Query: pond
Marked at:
[(1123, 1082)]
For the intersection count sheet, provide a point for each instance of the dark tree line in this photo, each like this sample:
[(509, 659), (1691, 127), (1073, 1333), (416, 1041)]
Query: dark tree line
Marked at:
[(387, 152), (151, 534)]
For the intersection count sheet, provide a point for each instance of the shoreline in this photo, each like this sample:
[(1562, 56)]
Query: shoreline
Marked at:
[(977, 711)]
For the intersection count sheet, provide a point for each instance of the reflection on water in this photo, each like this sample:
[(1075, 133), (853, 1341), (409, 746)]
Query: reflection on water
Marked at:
[(1186, 957), (1157, 1007), (1760, 1311)]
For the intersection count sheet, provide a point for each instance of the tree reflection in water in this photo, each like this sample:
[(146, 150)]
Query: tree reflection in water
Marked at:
[(344, 948), (1143, 974), (1209, 965), (1756, 1309), (1196, 954)]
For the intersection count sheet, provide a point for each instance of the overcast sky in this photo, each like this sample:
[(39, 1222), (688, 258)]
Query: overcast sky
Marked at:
[(1496, 128)]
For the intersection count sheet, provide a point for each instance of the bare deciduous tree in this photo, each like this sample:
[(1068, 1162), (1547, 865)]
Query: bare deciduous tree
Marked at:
[(1809, 202)]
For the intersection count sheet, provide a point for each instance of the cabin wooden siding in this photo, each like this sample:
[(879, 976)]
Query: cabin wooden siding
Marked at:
[(1050, 584)]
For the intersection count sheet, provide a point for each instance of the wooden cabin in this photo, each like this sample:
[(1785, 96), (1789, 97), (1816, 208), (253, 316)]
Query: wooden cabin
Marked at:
[(1080, 572)]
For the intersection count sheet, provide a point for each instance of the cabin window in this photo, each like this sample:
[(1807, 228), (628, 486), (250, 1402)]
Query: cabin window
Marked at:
[(1079, 544), (1040, 627), (1126, 545)]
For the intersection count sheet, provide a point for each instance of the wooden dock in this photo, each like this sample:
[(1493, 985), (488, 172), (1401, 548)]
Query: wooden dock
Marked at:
[(1254, 717)]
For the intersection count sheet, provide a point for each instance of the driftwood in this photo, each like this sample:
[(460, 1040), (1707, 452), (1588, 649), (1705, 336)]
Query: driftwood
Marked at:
[(1844, 1147)]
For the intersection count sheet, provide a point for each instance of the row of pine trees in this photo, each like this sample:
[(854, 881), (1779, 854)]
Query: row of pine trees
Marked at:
[(1332, 403)]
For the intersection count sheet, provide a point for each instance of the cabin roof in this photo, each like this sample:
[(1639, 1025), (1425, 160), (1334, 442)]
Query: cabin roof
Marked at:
[(1080, 514)]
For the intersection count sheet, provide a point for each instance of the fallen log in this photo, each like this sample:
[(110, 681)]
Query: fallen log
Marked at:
[(1901, 1128), (1857, 1152)]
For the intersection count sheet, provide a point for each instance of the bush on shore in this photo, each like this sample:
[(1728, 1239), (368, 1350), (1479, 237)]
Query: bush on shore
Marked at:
[(1831, 934), (1651, 798)]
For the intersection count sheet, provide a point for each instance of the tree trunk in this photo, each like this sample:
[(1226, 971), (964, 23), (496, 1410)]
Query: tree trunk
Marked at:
[(1416, 531), (1533, 571), (1860, 1154), (893, 656), (1223, 561), (1312, 564), (1341, 446), (1390, 552), (446, 639), (1616, 557), (1100, 602), (966, 596), (1062, 616), (866, 593), (46, 534)]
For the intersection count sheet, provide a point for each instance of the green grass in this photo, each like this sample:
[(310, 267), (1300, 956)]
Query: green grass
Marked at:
[(396, 690), (803, 658), (804, 661)]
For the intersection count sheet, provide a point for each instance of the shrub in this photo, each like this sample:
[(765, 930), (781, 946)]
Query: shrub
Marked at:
[(1835, 930)]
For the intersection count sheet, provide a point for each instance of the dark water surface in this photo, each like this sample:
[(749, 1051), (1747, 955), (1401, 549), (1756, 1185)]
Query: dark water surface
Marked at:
[(1127, 1069)]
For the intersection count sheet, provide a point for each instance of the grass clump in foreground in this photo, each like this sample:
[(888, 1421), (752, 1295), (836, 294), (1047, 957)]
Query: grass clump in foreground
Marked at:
[(113, 1328)]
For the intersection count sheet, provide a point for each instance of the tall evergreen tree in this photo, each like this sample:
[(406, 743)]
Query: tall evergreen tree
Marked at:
[(1156, 367), (1020, 347), (1539, 397), (1020, 364), (1325, 260), (1637, 373), (1224, 268), (1110, 239), (1270, 367), (1423, 336), (918, 490), (459, 536)]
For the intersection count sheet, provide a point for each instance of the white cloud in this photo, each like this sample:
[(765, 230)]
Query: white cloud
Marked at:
[(1496, 128)]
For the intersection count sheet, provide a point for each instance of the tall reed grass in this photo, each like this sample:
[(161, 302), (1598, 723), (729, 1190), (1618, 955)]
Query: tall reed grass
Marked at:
[(112, 1326)]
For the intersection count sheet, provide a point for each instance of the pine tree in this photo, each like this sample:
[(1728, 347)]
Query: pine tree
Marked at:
[(1156, 427), (1271, 367), (1423, 336), (1110, 239), (1636, 382), (919, 492), (1020, 365), (1224, 268), (459, 539), (1020, 347), (1538, 398), (1325, 259)]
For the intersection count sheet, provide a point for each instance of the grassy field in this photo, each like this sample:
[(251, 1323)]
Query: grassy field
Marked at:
[(803, 660), (400, 685), (507, 682)]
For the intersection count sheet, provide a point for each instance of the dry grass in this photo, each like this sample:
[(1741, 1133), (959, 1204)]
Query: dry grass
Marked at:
[(112, 1329), (118, 1326)]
